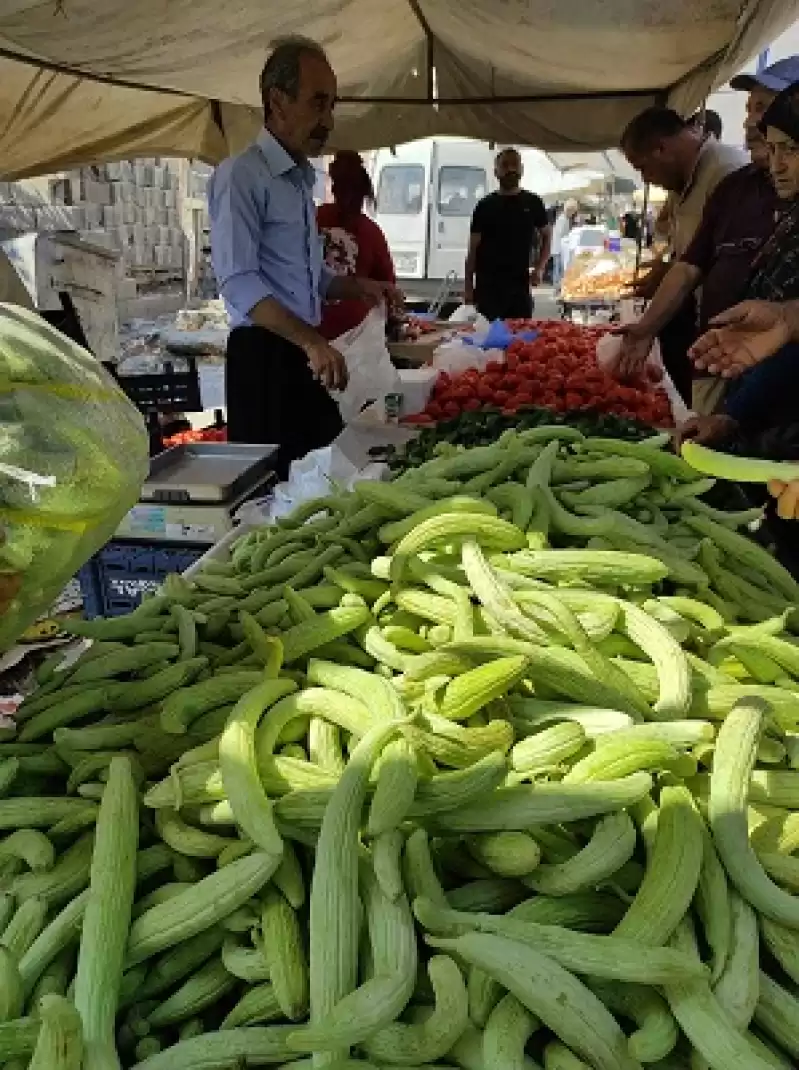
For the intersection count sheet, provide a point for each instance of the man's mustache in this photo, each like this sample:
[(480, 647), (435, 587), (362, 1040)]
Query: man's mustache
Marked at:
[(320, 133)]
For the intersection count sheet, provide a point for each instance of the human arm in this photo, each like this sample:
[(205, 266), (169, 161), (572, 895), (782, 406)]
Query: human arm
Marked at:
[(680, 280), (355, 288), (544, 230), (237, 209), (745, 335), (663, 220), (544, 253), (470, 267)]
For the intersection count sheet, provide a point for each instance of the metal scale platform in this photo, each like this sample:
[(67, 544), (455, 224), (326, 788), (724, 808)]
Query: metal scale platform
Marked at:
[(193, 491)]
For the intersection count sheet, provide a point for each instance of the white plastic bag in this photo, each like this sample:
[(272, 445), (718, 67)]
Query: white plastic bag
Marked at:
[(463, 314), (607, 351), (371, 373), (454, 357), (317, 474)]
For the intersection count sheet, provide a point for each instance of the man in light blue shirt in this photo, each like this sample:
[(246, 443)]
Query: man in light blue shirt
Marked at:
[(267, 257)]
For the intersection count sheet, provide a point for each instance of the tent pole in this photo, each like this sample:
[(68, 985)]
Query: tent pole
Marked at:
[(639, 243), (420, 17)]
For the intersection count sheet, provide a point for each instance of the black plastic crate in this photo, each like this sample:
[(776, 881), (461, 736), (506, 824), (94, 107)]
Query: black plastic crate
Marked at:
[(169, 391), (116, 579)]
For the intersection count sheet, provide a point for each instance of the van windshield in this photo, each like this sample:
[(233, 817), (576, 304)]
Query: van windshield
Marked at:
[(401, 189), (459, 189)]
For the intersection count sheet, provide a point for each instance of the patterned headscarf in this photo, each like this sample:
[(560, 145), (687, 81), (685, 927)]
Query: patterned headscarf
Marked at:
[(783, 113)]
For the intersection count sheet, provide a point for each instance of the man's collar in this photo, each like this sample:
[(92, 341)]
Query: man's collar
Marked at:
[(704, 147), (278, 160)]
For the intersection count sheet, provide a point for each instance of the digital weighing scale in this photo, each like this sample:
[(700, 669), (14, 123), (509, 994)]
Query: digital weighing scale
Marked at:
[(193, 491)]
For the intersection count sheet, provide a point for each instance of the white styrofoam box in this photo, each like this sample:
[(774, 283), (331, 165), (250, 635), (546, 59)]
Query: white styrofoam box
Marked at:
[(128, 289), (162, 217), (112, 215), (173, 218), (123, 192), (98, 236), (164, 235), (60, 217), (129, 213), (142, 174), (121, 170), (5, 191), (124, 235), (417, 386), (140, 255), (27, 194), (160, 195), (177, 255), (96, 192), (169, 198), (93, 214), (159, 177), (152, 235), (138, 234)]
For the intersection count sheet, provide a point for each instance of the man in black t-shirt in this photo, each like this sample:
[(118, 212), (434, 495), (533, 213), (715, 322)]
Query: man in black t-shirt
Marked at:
[(509, 245)]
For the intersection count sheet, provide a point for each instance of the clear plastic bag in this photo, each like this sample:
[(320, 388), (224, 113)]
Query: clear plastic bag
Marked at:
[(73, 456)]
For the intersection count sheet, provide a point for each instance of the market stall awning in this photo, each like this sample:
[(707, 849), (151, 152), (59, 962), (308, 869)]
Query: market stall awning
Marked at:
[(84, 80)]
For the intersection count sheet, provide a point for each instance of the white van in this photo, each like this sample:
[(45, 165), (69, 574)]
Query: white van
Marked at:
[(426, 192)]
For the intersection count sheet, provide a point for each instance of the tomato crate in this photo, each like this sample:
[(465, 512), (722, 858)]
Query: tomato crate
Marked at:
[(115, 580)]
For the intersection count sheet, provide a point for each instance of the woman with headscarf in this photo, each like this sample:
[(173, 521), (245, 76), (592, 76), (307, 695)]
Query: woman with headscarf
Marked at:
[(765, 395), (353, 243)]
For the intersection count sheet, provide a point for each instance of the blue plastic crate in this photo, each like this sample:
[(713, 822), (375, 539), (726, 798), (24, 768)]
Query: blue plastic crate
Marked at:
[(116, 579)]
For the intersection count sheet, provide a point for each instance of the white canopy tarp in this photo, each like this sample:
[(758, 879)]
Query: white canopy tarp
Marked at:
[(90, 80)]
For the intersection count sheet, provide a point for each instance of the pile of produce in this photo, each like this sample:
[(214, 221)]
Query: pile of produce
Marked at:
[(558, 371), (597, 277), (491, 767), (415, 327), (485, 427), (199, 434)]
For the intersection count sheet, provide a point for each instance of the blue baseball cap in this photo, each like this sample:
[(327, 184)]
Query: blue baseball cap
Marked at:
[(776, 77)]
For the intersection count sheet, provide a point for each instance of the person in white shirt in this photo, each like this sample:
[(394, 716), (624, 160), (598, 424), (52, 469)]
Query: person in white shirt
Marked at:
[(563, 224)]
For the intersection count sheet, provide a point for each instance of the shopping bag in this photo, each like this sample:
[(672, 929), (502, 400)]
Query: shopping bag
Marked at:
[(463, 314), (607, 352), (371, 373)]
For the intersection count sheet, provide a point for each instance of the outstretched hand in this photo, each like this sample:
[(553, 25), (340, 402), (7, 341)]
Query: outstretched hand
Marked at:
[(741, 337)]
